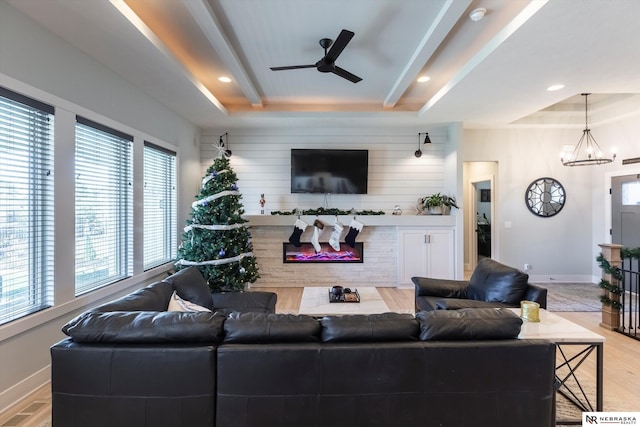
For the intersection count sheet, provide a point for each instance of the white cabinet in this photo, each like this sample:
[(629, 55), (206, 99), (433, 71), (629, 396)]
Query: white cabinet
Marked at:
[(425, 252)]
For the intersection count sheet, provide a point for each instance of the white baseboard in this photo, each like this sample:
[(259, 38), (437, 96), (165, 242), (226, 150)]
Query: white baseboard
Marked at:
[(561, 278), (19, 392)]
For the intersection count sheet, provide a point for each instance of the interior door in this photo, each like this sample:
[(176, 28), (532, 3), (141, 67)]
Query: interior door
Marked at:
[(625, 210)]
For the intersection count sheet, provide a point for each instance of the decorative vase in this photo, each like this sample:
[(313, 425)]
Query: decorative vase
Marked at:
[(435, 210)]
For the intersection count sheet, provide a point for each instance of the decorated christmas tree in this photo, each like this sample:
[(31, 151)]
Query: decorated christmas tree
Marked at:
[(216, 239)]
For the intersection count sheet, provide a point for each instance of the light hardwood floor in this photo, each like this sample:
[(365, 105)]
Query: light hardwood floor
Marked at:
[(621, 360)]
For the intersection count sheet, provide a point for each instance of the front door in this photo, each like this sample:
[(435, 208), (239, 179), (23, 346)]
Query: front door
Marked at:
[(625, 210)]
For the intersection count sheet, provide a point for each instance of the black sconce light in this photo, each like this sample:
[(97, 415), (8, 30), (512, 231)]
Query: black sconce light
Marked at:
[(223, 145), (427, 140)]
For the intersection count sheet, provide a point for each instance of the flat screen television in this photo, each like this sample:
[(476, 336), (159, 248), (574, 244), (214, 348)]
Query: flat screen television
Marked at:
[(329, 171)]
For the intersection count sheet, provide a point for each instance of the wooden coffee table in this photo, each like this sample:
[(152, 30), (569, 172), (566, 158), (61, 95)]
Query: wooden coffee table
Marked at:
[(315, 302), (563, 332)]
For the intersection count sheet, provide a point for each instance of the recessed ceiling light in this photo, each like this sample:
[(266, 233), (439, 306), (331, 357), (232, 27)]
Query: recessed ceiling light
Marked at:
[(555, 87), (423, 79), (477, 14), (224, 79)]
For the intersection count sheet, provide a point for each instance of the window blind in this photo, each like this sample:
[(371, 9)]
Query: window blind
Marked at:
[(160, 206), (26, 205), (104, 205)]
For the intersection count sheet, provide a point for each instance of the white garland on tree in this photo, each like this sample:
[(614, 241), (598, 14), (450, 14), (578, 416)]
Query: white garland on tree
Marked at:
[(213, 227), (216, 261), (212, 175), (215, 196)]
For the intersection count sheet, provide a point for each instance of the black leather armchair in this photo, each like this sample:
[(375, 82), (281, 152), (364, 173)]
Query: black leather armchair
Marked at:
[(491, 285)]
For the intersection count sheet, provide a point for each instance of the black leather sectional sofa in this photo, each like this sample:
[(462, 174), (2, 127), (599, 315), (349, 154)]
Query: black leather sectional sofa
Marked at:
[(131, 363)]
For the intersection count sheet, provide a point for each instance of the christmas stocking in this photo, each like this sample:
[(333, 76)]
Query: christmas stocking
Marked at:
[(334, 241), (297, 232), (317, 229), (354, 228)]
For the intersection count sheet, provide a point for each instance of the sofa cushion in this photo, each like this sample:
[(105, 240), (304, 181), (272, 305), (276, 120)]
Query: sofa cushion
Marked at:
[(254, 301), (191, 286), (178, 304), (154, 297), (457, 304), (469, 324), (251, 327), (425, 286), (145, 327), (369, 328), (495, 282)]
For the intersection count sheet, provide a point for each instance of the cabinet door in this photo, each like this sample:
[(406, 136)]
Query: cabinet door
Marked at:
[(412, 255), (425, 253), (440, 254)]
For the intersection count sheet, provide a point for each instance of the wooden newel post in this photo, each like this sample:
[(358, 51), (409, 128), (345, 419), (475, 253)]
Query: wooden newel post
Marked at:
[(611, 312)]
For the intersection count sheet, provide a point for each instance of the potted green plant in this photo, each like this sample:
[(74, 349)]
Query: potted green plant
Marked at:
[(438, 204)]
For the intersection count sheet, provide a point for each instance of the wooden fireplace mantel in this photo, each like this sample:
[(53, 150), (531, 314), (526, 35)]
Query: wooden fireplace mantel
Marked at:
[(367, 220)]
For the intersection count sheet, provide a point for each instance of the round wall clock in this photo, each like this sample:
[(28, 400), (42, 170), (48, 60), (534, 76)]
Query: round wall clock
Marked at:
[(545, 197)]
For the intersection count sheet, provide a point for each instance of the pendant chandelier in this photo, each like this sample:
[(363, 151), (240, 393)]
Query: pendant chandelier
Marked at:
[(587, 151)]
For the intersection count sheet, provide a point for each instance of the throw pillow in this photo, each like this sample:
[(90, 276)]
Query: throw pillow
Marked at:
[(178, 304), (191, 286)]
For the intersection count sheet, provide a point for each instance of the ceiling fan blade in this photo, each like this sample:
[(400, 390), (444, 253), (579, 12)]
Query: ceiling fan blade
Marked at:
[(338, 46), (347, 75), (292, 67)]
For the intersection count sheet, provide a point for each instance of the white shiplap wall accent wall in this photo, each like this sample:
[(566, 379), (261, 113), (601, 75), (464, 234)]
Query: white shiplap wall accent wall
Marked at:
[(261, 160)]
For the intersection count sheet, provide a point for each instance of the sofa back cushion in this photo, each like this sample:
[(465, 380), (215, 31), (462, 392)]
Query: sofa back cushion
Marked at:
[(254, 301), (145, 327), (191, 286), (469, 324), (154, 297), (252, 327), (495, 282), (370, 328)]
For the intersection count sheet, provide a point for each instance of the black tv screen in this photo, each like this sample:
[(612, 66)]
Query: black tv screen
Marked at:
[(329, 171)]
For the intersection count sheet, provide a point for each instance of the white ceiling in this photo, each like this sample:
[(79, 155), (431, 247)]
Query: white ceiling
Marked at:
[(489, 73)]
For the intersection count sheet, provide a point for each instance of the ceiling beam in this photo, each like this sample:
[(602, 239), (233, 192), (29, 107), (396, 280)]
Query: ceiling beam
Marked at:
[(531, 9), (139, 24), (442, 24), (211, 28)]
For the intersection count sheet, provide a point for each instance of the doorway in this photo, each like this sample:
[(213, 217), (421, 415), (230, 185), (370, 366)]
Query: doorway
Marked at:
[(483, 219), (480, 213)]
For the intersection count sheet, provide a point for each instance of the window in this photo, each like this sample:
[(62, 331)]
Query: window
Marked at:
[(26, 205), (160, 241), (631, 193), (104, 205)]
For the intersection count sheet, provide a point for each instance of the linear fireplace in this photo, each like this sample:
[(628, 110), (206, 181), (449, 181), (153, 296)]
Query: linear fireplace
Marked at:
[(306, 253)]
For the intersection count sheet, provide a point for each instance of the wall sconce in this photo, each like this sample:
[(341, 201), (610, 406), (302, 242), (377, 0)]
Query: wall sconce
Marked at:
[(223, 145), (427, 140)]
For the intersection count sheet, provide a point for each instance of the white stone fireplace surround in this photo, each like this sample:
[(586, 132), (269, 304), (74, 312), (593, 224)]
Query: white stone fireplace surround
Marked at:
[(380, 237)]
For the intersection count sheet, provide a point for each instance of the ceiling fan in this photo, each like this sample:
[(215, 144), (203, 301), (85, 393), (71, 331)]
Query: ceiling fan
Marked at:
[(328, 63)]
